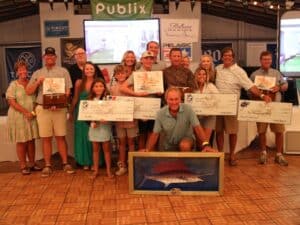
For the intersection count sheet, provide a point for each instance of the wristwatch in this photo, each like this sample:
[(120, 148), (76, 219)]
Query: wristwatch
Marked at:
[(205, 143), (262, 96)]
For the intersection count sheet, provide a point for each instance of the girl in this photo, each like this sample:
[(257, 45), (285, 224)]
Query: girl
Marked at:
[(126, 131), (205, 87), (82, 145), (206, 62), (22, 125), (100, 132)]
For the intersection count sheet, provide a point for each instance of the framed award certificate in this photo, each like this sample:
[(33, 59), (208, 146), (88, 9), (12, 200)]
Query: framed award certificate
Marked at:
[(148, 81)]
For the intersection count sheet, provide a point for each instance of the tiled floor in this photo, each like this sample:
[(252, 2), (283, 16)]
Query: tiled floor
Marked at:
[(254, 194)]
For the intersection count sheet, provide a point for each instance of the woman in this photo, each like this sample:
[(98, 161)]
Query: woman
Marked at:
[(206, 62), (205, 87), (22, 125), (129, 62), (82, 145)]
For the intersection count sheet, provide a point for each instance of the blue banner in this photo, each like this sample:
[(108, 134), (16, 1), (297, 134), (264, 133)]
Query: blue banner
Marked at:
[(31, 55)]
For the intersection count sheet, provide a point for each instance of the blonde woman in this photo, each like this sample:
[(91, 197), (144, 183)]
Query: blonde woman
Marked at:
[(206, 62)]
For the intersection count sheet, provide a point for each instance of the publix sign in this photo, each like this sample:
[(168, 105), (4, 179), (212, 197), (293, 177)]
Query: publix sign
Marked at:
[(117, 9)]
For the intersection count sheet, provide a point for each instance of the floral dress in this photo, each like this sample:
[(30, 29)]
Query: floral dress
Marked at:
[(20, 129)]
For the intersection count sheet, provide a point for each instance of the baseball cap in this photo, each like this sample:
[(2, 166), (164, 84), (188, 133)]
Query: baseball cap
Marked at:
[(147, 54), (49, 51)]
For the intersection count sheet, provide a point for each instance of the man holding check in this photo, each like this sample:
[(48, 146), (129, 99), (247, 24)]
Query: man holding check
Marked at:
[(178, 122), (280, 85)]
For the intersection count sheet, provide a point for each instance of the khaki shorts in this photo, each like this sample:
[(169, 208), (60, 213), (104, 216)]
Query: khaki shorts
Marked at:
[(229, 124), (275, 128), (127, 132), (51, 122)]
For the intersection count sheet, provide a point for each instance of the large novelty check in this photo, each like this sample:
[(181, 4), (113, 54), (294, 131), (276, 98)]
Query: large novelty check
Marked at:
[(259, 111), (212, 104), (144, 108), (106, 110), (148, 81)]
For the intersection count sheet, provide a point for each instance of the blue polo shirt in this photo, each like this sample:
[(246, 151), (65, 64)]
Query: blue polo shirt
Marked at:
[(175, 128)]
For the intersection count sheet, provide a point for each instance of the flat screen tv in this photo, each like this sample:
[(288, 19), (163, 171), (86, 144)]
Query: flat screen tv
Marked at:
[(289, 51), (107, 40)]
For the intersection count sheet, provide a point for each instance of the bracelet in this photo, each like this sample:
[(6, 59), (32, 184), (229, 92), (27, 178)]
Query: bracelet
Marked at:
[(205, 143), (33, 113)]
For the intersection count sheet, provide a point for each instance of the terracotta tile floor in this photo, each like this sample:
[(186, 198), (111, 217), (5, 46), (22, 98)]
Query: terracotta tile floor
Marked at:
[(253, 194)]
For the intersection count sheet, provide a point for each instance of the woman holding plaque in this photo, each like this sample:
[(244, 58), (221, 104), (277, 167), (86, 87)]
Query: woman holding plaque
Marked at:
[(206, 62), (205, 87), (22, 125), (82, 145)]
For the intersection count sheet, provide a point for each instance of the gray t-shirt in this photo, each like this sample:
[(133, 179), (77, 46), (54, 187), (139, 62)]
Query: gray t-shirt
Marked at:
[(270, 73), (54, 72)]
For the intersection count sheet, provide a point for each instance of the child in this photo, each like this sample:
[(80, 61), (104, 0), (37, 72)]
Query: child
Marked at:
[(126, 131), (100, 132)]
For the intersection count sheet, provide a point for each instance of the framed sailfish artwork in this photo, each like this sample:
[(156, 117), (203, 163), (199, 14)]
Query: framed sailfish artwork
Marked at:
[(176, 173)]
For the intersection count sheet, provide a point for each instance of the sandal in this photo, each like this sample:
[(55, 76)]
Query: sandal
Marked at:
[(25, 171), (233, 162), (35, 167)]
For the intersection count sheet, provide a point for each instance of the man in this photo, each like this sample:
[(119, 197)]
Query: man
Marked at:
[(229, 80), (51, 121), (153, 47), (280, 86), (176, 75), (76, 69), (178, 122)]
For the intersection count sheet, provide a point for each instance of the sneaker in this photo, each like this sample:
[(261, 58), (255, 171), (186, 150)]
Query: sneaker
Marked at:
[(262, 158), (122, 170), (68, 169), (281, 160), (46, 172)]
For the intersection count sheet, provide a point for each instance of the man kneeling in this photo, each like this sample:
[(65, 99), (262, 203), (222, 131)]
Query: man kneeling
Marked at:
[(177, 122)]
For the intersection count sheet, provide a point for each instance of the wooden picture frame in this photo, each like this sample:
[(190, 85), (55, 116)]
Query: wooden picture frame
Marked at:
[(176, 173)]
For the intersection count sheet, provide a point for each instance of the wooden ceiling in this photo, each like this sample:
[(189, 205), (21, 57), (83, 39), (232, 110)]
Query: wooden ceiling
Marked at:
[(243, 10)]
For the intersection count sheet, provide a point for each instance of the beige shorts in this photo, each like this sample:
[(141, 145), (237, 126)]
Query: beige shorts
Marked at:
[(229, 124), (276, 128), (51, 122), (127, 132)]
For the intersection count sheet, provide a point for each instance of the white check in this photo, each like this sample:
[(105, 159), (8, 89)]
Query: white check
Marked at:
[(106, 110), (259, 111), (212, 104), (144, 108), (148, 81)]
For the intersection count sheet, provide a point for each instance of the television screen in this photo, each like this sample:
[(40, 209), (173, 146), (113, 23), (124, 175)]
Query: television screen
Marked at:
[(289, 52), (107, 40)]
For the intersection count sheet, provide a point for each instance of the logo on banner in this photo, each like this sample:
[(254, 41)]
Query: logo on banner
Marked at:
[(113, 9), (29, 58)]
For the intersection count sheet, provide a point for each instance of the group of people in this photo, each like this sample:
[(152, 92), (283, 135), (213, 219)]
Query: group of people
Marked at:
[(176, 127)]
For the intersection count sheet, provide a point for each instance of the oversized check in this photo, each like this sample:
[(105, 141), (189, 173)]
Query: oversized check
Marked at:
[(212, 104), (106, 110), (259, 111), (148, 81), (144, 108)]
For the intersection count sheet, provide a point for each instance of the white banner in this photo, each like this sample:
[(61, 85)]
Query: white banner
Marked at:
[(180, 30)]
